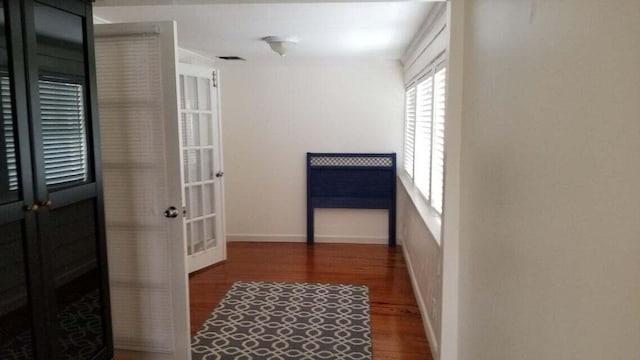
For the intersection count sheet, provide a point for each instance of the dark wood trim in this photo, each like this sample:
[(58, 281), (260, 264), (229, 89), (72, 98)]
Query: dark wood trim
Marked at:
[(77, 7), (47, 304), (32, 76), (53, 64)]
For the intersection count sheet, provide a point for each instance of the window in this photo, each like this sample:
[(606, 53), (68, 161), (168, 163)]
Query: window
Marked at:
[(8, 136), (424, 112), (425, 134), (409, 130), (63, 132)]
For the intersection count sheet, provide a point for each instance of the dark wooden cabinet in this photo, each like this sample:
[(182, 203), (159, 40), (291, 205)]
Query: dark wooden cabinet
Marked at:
[(54, 299)]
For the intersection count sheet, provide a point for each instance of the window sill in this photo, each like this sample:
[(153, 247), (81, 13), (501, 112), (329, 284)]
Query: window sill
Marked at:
[(430, 217)]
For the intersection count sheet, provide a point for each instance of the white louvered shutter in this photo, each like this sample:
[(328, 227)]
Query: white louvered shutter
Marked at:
[(130, 93), (437, 168), (10, 145), (409, 130), (424, 114), (63, 132)]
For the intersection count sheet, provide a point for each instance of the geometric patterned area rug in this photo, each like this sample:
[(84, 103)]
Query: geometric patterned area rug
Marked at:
[(283, 321), (80, 332)]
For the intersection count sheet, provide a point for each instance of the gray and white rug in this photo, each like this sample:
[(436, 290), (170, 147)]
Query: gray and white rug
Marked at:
[(79, 329), (269, 320)]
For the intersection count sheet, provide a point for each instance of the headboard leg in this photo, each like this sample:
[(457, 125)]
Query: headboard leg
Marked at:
[(392, 226), (310, 225)]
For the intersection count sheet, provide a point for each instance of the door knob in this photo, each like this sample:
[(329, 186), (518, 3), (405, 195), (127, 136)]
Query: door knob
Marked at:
[(220, 174), (171, 212), (32, 208)]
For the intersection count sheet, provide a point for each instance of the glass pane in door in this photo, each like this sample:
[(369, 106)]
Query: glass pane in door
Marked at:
[(191, 93), (197, 231), (206, 134), (204, 94), (192, 165), (190, 129), (196, 201), (208, 195), (207, 164), (210, 231)]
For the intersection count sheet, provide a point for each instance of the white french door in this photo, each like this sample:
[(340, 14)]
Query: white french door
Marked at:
[(202, 166), (139, 121)]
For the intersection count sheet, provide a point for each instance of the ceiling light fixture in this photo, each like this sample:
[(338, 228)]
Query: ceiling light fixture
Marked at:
[(281, 44)]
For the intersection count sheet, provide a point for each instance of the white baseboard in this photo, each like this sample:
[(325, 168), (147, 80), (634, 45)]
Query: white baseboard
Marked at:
[(337, 239), (428, 328), (142, 355)]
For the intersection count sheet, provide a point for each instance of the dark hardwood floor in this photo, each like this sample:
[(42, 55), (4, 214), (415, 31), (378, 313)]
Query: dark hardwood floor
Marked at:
[(397, 327)]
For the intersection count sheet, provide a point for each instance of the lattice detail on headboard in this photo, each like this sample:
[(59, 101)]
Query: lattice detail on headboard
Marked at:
[(351, 161)]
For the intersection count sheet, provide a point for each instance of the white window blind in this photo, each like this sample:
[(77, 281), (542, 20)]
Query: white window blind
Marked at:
[(424, 118), (10, 145), (437, 167), (425, 134), (63, 132), (409, 129)]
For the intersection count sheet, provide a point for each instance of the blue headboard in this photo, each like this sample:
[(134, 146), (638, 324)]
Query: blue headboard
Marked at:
[(356, 181)]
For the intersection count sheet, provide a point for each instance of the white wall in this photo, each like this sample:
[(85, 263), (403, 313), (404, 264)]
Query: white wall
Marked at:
[(273, 114), (550, 236), (423, 256)]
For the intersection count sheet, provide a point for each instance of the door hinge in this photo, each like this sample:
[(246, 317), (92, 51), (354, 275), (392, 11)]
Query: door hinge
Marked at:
[(214, 79)]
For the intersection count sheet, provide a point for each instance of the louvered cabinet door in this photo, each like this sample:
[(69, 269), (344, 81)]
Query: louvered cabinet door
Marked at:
[(67, 176), (21, 297)]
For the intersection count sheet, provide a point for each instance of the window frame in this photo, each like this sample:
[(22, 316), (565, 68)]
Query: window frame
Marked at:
[(432, 215)]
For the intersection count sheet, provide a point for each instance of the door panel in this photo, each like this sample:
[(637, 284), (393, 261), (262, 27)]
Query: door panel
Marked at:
[(53, 295), (202, 160), (76, 293), (21, 289), (60, 65), (16, 340), (137, 84), (79, 319)]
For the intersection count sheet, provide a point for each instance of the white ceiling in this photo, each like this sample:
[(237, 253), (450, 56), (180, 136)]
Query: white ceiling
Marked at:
[(327, 31)]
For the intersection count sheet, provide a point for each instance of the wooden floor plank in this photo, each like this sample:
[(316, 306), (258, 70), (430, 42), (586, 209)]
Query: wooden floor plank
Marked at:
[(397, 327)]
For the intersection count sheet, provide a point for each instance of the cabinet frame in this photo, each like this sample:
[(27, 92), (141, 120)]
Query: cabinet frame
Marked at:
[(24, 72)]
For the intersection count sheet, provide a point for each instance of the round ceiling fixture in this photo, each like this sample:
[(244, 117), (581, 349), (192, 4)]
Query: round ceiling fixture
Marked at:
[(281, 44)]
